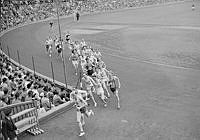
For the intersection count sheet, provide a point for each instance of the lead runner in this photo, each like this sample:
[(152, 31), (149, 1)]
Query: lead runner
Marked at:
[(81, 108)]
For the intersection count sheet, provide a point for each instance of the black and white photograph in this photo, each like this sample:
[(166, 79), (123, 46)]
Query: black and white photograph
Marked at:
[(100, 70)]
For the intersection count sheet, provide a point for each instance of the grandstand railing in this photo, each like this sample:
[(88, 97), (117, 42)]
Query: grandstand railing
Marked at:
[(25, 116)]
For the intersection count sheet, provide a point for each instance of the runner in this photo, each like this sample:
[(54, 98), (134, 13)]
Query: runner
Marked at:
[(48, 45), (59, 47), (89, 67), (76, 15), (51, 24), (81, 108), (67, 37), (75, 60), (193, 7), (100, 91), (89, 84), (114, 84), (104, 78)]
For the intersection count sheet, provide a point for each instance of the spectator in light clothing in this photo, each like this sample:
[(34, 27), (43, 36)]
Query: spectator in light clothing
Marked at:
[(45, 101)]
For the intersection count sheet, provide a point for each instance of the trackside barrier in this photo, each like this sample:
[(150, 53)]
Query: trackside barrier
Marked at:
[(25, 116)]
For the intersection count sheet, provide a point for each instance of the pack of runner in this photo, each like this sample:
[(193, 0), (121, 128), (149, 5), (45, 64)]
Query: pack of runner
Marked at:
[(95, 78)]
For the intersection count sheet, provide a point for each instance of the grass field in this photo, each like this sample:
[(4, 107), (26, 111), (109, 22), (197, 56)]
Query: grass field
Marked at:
[(156, 53)]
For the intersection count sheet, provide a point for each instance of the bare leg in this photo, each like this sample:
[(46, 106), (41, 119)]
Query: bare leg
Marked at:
[(76, 68), (80, 123), (118, 101), (105, 88), (103, 97), (95, 103), (104, 101)]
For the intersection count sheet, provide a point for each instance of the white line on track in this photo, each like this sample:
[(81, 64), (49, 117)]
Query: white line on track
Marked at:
[(124, 121), (149, 62)]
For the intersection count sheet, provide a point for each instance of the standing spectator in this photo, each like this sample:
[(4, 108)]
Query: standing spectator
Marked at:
[(50, 95), (9, 128)]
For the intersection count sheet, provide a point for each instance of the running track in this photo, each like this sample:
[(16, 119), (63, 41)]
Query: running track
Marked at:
[(154, 51)]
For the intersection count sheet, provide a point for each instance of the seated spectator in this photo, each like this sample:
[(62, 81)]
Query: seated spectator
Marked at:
[(35, 92), (6, 97), (29, 96), (56, 98), (24, 94), (16, 99), (64, 94), (45, 102), (2, 100), (4, 82)]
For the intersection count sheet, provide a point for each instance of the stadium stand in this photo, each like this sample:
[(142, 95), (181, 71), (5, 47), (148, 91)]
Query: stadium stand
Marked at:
[(18, 85), (15, 12)]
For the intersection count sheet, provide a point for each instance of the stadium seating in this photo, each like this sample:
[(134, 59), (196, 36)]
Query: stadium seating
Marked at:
[(18, 85), (16, 12)]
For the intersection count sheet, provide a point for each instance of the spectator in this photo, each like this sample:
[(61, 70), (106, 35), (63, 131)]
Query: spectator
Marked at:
[(56, 98), (16, 99), (50, 95), (29, 96), (2, 101), (45, 102), (8, 126), (64, 95), (24, 94), (6, 97)]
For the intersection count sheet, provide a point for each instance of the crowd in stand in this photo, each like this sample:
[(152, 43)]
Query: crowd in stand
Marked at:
[(18, 85), (15, 12)]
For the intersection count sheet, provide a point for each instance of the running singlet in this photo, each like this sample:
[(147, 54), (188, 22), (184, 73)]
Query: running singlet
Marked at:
[(90, 72), (80, 104), (103, 74), (67, 37), (88, 82), (112, 84), (59, 49), (98, 83)]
